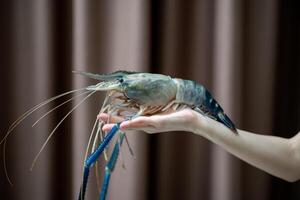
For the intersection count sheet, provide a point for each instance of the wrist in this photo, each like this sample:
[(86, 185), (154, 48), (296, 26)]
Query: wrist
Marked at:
[(200, 124)]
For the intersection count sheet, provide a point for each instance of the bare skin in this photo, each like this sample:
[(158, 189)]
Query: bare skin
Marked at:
[(277, 156)]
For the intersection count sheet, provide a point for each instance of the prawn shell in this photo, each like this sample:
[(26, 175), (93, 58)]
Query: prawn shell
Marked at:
[(149, 89), (189, 92)]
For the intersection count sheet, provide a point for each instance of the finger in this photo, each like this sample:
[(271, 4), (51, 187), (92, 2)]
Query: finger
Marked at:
[(107, 127), (106, 117), (136, 123), (102, 116)]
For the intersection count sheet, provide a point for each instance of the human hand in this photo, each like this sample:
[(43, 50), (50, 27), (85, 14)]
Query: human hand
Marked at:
[(182, 120)]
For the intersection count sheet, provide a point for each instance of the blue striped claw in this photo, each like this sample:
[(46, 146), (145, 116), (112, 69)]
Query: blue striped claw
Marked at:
[(110, 166), (93, 158)]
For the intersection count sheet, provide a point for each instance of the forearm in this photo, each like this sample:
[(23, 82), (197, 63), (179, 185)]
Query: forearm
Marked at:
[(277, 156), (274, 155)]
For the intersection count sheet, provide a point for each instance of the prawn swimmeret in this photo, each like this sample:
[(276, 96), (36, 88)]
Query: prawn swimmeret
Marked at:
[(129, 95)]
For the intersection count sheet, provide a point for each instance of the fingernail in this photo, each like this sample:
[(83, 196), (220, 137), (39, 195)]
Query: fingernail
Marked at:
[(105, 128), (124, 124)]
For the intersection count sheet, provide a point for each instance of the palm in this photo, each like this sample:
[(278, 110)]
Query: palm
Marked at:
[(182, 120)]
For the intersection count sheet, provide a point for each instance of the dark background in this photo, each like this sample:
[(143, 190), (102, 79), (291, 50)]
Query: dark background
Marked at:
[(245, 52)]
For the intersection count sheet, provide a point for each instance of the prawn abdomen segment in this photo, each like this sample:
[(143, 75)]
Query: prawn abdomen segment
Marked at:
[(189, 92), (200, 99)]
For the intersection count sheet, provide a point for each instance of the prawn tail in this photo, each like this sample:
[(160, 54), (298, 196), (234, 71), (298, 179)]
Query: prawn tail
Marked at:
[(211, 108), (224, 119)]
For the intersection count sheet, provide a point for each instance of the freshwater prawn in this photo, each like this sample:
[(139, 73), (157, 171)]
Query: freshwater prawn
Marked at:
[(129, 95)]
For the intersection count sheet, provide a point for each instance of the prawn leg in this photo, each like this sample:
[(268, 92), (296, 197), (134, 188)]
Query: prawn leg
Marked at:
[(110, 166), (93, 158)]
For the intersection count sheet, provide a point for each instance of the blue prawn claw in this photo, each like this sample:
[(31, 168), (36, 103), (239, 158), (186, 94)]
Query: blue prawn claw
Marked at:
[(93, 158), (110, 166)]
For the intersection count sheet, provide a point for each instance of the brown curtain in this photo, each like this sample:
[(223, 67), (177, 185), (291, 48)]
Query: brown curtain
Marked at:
[(245, 52)]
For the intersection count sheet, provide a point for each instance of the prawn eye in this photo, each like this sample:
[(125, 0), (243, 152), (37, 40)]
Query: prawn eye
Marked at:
[(121, 80)]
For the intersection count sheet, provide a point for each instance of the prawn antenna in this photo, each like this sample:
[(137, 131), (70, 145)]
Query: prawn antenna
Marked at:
[(30, 111), (4, 165), (53, 109), (59, 123), (25, 115)]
